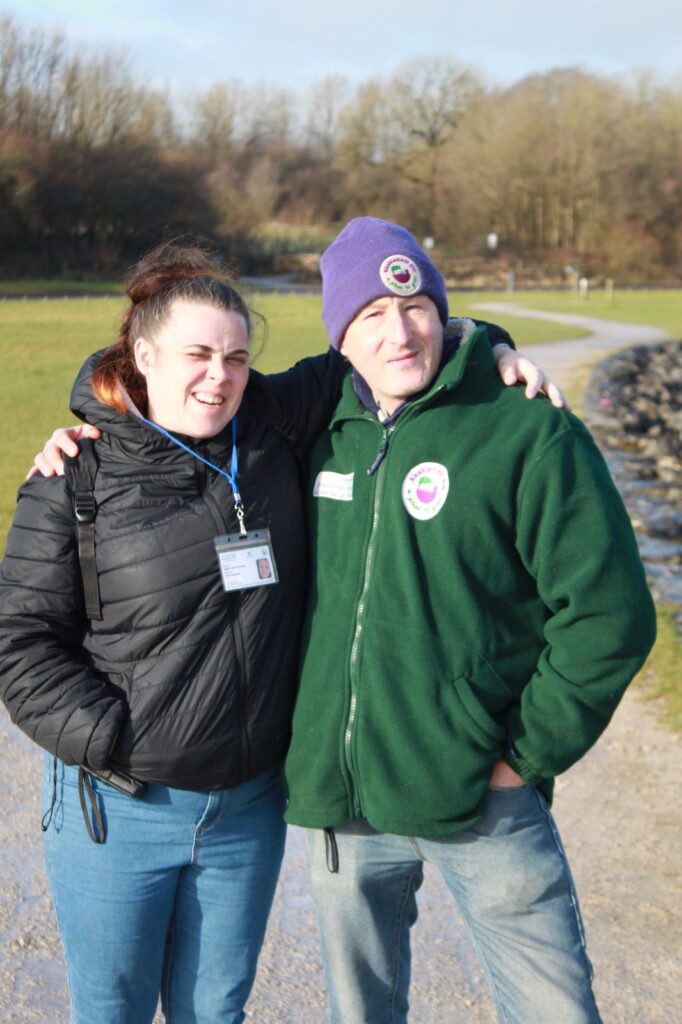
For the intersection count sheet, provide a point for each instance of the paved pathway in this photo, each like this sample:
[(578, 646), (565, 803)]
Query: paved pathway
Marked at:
[(562, 359), (615, 810)]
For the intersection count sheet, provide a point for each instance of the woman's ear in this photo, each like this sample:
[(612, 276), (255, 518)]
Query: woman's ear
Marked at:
[(145, 355)]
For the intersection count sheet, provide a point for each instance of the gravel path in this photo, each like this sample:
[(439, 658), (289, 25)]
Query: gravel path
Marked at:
[(623, 838), (562, 359)]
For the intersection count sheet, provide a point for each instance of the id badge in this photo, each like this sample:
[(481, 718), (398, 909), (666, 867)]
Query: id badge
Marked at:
[(246, 561)]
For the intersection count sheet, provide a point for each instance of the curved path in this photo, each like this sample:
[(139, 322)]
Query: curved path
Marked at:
[(615, 810), (562, 359)]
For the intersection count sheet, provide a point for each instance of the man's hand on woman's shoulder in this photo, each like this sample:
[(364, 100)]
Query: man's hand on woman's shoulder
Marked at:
[(50, 462)]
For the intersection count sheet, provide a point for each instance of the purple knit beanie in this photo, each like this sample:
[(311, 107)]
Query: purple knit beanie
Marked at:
[(371, 258)]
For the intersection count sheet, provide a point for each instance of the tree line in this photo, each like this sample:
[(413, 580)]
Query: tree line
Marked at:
[(565, 167)]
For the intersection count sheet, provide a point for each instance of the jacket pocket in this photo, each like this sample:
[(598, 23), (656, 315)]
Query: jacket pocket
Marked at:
[(489, 732)]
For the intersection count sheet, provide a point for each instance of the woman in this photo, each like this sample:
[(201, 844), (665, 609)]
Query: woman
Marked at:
[(181, 694)]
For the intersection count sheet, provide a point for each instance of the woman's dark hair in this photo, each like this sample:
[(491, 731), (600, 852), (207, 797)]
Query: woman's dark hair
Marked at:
[(170, 272)]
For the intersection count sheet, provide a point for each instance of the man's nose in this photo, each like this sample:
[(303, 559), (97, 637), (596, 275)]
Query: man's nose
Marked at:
[(399, 327)]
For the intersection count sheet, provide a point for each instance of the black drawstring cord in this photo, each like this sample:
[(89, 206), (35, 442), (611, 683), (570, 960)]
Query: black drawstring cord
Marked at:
[(47, 816), (331, 850), (97, 834)]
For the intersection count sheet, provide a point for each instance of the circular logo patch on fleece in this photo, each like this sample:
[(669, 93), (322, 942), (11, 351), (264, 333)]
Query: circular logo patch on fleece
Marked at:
[(401, 275), (425, 489)]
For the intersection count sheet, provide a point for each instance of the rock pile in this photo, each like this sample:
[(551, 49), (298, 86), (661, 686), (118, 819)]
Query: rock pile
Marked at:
[(634, 408), (638, 399)]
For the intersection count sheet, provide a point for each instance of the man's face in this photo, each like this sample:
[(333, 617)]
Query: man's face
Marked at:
[(396, 344)]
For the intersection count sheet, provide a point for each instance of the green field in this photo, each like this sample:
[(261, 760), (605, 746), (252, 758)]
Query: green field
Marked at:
[(44, 341), (659, 308), (660, 678), (38, 287)]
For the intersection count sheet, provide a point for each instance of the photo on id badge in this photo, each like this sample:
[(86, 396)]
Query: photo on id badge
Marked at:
[(246, 561)]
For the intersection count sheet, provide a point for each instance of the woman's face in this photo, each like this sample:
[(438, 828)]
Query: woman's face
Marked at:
[(196, 368)]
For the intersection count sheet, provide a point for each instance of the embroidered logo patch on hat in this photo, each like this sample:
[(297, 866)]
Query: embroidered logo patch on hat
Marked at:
[(425, 489), (401, 275)]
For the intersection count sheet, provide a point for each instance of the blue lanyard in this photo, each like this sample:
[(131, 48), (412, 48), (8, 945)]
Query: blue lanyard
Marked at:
[(231, 477)]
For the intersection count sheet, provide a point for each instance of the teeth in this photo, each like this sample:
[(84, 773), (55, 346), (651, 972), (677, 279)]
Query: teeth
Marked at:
[(209, 399)]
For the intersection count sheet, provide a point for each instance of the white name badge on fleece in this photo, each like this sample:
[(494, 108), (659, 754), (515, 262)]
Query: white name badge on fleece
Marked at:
[(246, 561), (338, 486)]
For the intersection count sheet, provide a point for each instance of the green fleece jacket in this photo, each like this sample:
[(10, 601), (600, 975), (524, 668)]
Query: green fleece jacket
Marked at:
[(478, 595)]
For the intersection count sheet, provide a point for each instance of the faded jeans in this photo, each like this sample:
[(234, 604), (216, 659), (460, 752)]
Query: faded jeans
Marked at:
[(175, 902), (510, 878)]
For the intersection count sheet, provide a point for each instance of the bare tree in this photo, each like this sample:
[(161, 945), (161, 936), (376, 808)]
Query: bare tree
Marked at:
[(325, 103), (427, 99), (30, 64), (215, 119), (561, 165)]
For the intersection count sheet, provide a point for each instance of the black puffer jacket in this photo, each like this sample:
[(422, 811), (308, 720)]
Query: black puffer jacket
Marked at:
[(180, 683)]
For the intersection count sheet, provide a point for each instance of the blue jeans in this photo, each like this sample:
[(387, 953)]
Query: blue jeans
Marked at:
[(513, 887), (175, 902)]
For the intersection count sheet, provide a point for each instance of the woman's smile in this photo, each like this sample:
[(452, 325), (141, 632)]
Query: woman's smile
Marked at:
[(196, 368)]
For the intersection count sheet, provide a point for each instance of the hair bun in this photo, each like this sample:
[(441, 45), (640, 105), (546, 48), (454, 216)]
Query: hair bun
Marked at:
[(167, 265)]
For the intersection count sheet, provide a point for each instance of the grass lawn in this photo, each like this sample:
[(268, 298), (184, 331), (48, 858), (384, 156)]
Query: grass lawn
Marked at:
[(43, 344), (52, 286), (661, 308), (44, 341), (660, 678)]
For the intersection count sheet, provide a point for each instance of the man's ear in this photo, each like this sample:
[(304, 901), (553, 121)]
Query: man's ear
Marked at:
[(145, 355)]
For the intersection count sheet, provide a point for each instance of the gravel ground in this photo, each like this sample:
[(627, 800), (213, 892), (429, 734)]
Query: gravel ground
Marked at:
[(624, 842), (623, 837)]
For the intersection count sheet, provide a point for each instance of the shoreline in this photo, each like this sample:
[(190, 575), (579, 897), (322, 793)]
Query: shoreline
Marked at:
[(633, 406)]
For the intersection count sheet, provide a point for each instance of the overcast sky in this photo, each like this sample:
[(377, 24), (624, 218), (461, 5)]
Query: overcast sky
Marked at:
[(185, 44)]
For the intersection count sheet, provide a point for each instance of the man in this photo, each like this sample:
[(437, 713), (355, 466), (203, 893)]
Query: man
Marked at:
[(478, 607)]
